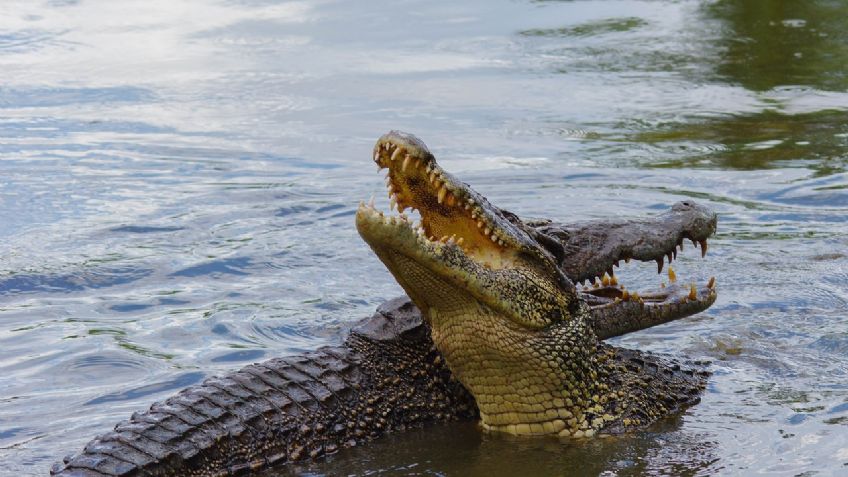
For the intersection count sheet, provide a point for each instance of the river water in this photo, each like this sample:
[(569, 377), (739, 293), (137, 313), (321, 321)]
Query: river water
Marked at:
[(178, 183)]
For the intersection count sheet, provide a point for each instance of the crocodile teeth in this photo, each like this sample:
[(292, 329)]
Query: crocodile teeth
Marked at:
[(693, 292), (371, 202), (672, 277), (397, 153), (711, 283), (451, 200), (479, 224), (442, 192), (494, 238), (460, 240), (660, 265), (376, 156), (487, 231), (406, 161), (392, 202), (703, 248)]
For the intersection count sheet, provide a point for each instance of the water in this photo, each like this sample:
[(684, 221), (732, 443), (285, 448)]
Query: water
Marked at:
[(179, 183)]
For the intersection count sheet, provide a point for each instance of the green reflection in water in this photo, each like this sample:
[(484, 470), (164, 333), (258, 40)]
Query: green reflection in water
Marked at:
[(771, 43), (590, 28), (763, 140)]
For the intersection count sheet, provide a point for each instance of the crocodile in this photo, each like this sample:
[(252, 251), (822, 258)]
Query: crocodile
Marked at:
[(504, 322)]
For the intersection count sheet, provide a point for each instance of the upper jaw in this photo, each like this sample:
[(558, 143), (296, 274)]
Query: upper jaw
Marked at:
[(450, 210)]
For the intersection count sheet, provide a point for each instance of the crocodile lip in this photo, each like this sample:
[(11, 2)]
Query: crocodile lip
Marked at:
[(698, 297), (451, 213)]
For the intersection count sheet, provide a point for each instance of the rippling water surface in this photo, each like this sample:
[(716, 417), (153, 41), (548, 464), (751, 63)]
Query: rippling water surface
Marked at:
[(179, 182)]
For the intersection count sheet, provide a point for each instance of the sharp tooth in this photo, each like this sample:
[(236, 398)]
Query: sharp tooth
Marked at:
[(397, 153), (613, 281), (501, 243), (494, 238), (388, 181), (371, 202), (625, 295), (387, 146), (432, 177), (451, 200), (479, 224), (460, 240), (660, 265), (392, 202), (711, 283), (406, 161), (443, 239), (670, 257), (473, 214), (376, 156), (672, 277), (693, 292), (605, 281), (418, 163), (442, 192), (487, 231), (703, 248)]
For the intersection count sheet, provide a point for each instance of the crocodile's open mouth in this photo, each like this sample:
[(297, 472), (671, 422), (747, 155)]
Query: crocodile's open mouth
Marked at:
[(451, 213), (456, 220)]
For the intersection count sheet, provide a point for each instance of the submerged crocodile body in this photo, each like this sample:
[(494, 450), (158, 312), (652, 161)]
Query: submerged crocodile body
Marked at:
[(495, 330)]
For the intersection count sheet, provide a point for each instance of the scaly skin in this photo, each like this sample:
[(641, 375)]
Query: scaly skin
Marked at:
[(388, 375), (511, 325)]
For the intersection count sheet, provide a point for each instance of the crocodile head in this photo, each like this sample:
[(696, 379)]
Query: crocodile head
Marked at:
[(511, 325)]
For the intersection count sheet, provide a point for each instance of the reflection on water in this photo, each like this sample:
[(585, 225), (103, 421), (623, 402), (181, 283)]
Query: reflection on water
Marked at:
[(179, 183), (767, 44)]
